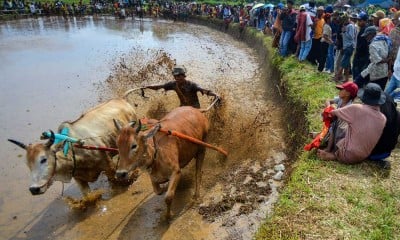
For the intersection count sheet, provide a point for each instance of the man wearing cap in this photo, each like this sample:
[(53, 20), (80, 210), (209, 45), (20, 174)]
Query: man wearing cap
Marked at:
[(303, 33), (377, 16), (347, 93), (365, 126), (378, 49), (361, 55), (185, 89)]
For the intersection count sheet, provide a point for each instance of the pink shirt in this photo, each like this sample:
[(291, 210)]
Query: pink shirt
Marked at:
[(365, 126)]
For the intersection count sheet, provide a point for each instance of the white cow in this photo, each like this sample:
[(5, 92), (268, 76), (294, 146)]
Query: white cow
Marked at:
[(50, 162)]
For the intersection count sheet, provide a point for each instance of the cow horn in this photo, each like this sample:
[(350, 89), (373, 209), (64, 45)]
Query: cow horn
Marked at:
[(132, 123), (139, 127), (20, 144), (153, 131), (51, 140), (117, 124)]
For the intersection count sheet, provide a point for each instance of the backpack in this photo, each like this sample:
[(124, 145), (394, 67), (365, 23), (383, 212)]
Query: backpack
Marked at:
[(385, 38)]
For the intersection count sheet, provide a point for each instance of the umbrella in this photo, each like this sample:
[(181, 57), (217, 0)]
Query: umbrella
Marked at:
[(269, 5), (257, 5)]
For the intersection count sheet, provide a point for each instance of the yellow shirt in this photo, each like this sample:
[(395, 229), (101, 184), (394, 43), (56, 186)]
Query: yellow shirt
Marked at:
[(319, 26)]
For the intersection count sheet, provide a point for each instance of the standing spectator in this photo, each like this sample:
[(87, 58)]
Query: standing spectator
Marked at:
[(339, 49), (395, 37), (288, 17), (326, 40), (319, 22), (377, 69), (377, 16), (330, 58), (394, 82), (349, 42), (303, 33), (361, 55), (277, 27)]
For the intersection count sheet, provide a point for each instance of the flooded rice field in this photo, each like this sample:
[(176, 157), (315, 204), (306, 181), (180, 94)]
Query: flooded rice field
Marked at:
[(54, 69)]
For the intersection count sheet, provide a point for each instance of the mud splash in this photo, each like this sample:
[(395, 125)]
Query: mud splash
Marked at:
[(247, 123)]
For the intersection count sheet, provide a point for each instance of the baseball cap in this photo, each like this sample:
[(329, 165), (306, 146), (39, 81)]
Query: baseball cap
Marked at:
[(302, 7), (350, 87), (379, 14), (369, 30), (362, 16)]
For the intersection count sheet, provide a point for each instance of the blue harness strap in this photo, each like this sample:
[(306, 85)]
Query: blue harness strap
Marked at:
[(62, 136)]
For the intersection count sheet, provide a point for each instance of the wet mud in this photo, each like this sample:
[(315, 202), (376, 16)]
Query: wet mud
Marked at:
[(237, 191)]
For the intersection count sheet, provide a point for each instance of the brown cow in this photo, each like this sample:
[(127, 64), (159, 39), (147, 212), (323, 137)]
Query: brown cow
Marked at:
[(48, 163), (161, 154)]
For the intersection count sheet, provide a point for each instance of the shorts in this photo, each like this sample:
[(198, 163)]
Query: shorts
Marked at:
[(347, 53)]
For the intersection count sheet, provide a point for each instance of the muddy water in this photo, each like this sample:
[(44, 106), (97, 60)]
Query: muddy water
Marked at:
[(53, 69)]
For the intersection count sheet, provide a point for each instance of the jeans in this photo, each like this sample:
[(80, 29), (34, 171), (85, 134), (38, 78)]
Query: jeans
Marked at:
[(392, 85), (284, 42), (305, 47), (330, 58)]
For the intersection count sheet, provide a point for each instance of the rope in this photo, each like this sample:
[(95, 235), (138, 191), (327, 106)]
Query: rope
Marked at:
[(186, 137), (106, 149), (193, 140)]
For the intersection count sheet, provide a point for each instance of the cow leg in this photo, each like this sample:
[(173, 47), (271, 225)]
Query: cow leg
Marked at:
[(173, 183), (83, 186), (199, 165), (156, 187)]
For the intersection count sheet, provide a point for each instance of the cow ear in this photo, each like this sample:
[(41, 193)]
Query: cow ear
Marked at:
[(19, 144), (153, 131), (117, 124)]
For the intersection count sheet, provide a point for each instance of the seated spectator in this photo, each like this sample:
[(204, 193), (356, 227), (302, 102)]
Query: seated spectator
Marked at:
[(388, 140), (347, 93), (365, 126)]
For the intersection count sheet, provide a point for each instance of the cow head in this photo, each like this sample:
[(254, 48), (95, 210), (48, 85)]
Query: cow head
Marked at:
[(133, 148), (41, 162)]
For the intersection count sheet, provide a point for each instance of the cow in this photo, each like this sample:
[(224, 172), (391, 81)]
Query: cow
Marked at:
[(163, 154), (50, 161)]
